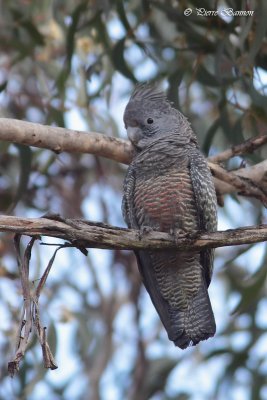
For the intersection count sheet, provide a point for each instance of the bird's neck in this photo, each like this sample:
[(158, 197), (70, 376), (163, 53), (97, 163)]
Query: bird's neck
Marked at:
[(161, 156)]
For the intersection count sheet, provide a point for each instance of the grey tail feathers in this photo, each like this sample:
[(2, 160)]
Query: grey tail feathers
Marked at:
[(194, 324), (185, 327)]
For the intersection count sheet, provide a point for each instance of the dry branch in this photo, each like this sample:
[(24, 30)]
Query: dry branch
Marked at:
[(96, 235), (249, 146), (61, 139), (243, 185), (256, 173), (30, 316)]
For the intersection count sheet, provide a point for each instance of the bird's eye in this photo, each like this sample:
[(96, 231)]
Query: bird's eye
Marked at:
[(150, 121)]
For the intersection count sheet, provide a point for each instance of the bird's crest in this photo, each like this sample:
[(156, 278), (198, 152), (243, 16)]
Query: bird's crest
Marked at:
[(148, 92)]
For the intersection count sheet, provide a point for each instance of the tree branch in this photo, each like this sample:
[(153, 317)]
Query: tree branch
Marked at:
[(61, 139), (249, 146), (243, 185), (96, 235), (256, 173), (30, 316), (120, 150)]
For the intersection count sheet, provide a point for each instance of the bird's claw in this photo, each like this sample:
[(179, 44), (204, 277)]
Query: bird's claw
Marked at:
[(144, 230), (177, 234)]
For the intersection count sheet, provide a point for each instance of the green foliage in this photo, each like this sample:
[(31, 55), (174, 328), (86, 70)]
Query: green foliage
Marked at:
[(62, 60)]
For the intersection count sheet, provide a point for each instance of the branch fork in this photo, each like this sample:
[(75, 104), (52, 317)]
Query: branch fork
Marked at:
[(30, 317)]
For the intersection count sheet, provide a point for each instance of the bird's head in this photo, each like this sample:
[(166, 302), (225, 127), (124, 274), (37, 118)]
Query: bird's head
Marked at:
[(149, 116)]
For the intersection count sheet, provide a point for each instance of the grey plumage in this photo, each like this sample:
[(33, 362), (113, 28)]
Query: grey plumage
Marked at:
[(168, 187)]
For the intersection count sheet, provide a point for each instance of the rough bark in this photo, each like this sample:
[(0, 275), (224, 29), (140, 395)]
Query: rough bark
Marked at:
[(85, 234)]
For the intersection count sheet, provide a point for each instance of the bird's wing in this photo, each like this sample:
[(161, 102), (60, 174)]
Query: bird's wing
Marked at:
[(127, 200), (206, 203)]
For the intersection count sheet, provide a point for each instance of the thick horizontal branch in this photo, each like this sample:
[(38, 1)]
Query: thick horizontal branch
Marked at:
[(61, 139), (96, 235)]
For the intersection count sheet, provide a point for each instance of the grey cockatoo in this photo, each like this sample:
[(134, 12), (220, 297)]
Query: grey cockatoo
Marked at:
[(168, 188)]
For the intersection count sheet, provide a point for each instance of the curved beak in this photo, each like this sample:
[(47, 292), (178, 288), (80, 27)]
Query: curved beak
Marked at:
[(134, 134)]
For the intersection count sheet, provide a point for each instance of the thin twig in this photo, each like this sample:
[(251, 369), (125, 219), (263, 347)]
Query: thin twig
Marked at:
[(249, 146), (30, 310), (45, 274), (48, 358), (25, 326)]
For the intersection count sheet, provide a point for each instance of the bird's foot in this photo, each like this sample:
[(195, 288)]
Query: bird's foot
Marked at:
[(144, 230), (177, 234)]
